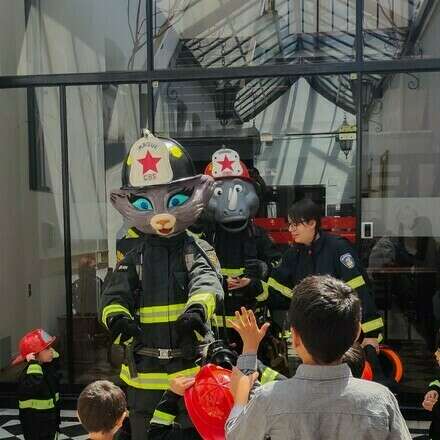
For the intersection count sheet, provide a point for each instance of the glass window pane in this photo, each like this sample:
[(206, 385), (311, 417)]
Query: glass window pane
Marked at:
[(400, 206), (103, 121), (400, 29), (252, 32), (32, 269), (287, 131), (62, 36)]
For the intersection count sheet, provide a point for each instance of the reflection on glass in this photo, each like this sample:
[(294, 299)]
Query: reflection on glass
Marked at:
[(402, 199), (103, 121), (287, 129), (252, 32), (393, 30)]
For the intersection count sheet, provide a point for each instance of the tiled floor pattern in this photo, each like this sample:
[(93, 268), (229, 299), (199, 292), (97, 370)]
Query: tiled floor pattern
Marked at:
[(10, 428)]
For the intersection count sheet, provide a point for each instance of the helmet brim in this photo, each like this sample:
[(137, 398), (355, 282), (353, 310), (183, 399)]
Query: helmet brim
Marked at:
[(20, 358), (142, 188)]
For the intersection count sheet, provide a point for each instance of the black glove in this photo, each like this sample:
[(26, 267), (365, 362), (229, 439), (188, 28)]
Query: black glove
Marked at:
[(254, 268), (187, 323), (124, 326), (192, 320)]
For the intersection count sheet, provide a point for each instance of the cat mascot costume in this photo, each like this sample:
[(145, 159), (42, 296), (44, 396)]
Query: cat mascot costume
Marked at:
[(161, 297)]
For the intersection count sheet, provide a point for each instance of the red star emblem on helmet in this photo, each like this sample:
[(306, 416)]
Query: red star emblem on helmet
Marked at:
[(226, 163), (149, 162)]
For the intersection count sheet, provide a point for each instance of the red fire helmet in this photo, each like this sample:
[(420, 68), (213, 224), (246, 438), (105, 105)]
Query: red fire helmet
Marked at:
[(209, 401), (226, 163), (33, 342)]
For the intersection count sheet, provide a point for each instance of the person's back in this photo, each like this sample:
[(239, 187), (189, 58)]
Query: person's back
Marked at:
[(326, 402)]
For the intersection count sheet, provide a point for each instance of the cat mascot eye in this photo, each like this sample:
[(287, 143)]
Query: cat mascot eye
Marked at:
[(143, 204), (177, 200)]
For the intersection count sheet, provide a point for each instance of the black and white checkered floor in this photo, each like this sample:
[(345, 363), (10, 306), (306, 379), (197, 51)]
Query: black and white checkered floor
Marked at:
[(10, 428)]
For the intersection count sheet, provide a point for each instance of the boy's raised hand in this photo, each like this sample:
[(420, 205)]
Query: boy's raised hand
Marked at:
[(246, 325)]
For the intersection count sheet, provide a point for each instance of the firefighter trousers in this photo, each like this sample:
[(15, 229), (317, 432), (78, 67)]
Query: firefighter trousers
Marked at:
[(141, 405)]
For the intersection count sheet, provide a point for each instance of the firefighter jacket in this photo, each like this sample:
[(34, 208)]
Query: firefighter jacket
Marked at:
[(328, 255), (157, 281), (232, 250), (38, 399)]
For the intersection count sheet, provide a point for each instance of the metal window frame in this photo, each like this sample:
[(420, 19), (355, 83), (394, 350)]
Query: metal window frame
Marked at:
[(359, 66)]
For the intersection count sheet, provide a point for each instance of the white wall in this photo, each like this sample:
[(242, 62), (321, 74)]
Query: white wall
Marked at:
[(65, 36), (25, 258)]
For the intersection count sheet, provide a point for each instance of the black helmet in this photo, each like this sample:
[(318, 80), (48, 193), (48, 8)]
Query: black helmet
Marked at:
[(154, 161)]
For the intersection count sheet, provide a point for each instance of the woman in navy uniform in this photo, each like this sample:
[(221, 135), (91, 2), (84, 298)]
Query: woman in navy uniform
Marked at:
[(318, 253)]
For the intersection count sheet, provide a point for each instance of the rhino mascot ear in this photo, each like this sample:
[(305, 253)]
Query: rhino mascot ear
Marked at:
[(161, 193), (235, 199)]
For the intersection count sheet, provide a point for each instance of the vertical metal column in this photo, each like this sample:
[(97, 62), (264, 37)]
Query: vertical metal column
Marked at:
[(359, 45), (150, 64), (67, 237)]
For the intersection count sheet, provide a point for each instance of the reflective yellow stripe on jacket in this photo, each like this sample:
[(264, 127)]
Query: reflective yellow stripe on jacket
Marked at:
[(206, 299), (232, 272), (217, 321), (34, 369), (114, 309), (36, 404), (153, 381), (356, 282), (265, 294), (435, 383), (372, 325), (162, 418), (160, 314), (284, 290), (268, 375)]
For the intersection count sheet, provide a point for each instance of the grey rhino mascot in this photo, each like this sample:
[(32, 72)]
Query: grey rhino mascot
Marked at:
[(245, 251), (160, 299)]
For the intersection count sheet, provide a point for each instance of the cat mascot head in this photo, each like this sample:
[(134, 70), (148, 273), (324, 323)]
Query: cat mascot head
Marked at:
[(161, 193)]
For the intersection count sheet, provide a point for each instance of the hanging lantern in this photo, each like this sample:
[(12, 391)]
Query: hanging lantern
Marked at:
[(345, 136), (224, 101)]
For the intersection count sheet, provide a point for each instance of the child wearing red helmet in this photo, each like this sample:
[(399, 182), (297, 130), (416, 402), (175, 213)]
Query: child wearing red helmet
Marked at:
[(38, 386)]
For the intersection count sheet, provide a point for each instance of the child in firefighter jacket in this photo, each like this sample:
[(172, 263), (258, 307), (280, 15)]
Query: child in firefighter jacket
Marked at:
[(38, 386)]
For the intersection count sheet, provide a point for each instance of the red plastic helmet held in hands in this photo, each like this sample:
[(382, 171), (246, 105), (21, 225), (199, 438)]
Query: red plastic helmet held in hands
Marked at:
[(34, 341), (209, 401)]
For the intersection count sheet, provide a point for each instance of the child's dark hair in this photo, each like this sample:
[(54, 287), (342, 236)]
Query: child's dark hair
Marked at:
[(304, 211), (100, 406), (326, 314), (354, 357)]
